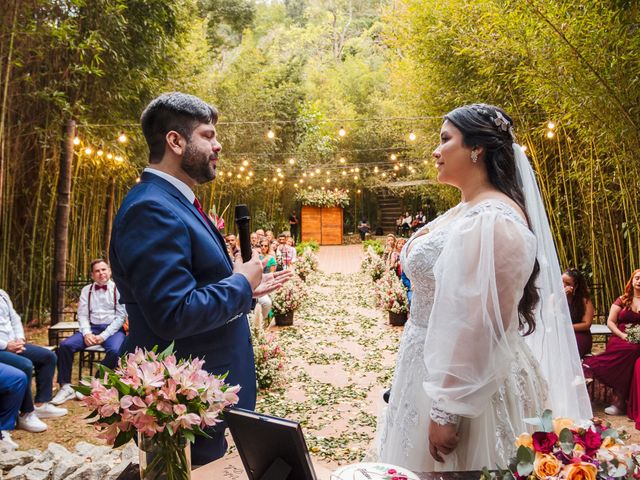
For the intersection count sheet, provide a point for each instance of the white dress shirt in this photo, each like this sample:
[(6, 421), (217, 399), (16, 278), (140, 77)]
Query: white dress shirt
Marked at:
[(10, 322), (179, 184), (105, 309)]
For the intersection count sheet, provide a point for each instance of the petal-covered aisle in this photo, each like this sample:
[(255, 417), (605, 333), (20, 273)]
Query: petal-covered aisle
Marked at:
[(340, 358)]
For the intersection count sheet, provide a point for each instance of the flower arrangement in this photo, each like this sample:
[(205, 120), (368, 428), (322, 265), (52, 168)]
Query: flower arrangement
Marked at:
[(306, 263), (289, 297), (309, 244), (268, 357), (633, 334), (372, 265), (564, 450), (161, 398), (323, 198), (390, 294)]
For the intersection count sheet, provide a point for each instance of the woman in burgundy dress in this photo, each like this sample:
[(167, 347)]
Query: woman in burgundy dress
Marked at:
[(580, 307), (615, 366)]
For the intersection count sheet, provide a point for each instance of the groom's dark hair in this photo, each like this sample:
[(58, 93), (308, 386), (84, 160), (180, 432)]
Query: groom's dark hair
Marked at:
[(175, 111)]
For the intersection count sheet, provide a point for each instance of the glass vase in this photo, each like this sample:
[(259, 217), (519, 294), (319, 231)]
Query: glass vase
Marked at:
[(164, 457)]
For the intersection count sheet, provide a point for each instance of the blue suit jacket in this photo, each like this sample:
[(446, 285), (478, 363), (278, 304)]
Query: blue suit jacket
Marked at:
[(176, 280)]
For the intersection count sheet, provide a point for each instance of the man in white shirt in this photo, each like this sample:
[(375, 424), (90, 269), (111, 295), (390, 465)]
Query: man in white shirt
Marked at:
[(101, 318), (30, 359)]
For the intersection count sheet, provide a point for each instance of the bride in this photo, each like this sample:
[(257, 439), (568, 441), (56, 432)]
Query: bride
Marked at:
[(486, 279)]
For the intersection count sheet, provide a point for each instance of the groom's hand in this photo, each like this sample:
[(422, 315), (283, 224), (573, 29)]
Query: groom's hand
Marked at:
[(443, 439), (271, 282), (252, 269)]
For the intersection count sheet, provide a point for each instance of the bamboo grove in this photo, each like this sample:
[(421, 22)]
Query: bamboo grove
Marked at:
[(305, 68)]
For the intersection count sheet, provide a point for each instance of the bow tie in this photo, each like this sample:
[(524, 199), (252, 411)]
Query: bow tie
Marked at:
[(101, 287)]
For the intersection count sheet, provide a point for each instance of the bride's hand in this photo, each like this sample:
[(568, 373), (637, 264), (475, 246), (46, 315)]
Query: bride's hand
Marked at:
[(442, 439)]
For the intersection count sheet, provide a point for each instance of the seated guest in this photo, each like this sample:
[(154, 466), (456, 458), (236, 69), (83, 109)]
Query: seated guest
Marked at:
[(399, 222), (580, 307), (614, 366), (293, 254), (363, 228), (232, 245), (420, 220), (394, 262), (30, 359), (406, 223), (389, 247), (101, 317), (13, 388), (255, 242)]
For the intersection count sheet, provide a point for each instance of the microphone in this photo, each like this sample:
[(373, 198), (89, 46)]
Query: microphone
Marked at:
[(242, 223)]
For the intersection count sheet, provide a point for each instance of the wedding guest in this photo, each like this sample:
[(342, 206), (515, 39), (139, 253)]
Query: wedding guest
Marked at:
[(363, 228), (268, 260), (293, 225), (614, 367), (399, 222), (101, 318), (580, 308), (406, 223), (255, 242), (32, 360), (13, 388), (389, 247), (394, 262)]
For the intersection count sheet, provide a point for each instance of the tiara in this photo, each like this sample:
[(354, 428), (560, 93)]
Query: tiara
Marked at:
[(499, 120)]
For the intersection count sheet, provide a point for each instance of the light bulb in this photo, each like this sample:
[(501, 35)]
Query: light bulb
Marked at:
[(99, 153), (342, 132), (119, 159), (109, 156), (270, 134), (138, 180), (292, 161), (550, 134), (551, 125), (342, 160), (76, 141), (88, 151), (393, 157), (122, 138), (412, 136), (241, 168), (245, 163)]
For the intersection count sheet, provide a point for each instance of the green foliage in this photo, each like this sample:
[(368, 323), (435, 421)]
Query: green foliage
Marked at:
[(323, 198), (377, 245), (313, 245)]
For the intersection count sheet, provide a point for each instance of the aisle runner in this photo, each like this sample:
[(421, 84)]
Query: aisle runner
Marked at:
[(340, 358)]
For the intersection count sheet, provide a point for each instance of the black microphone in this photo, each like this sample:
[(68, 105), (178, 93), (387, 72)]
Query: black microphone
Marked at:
[(242, 222)]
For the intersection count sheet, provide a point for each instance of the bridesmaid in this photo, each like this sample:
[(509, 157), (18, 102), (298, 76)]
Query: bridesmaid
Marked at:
[(580, 307), (615, 366)]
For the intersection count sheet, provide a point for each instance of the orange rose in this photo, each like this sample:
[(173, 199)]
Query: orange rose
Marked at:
[(546, 465), (524, 439), (580, 471), (560, 423)]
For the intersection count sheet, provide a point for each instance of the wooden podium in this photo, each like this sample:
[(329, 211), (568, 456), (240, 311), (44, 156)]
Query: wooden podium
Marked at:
[(322, 224)]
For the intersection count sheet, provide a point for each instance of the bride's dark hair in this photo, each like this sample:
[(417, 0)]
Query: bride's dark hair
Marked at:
[(490, 127)]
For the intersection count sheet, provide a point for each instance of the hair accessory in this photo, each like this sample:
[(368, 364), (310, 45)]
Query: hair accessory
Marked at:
[(497, 118)]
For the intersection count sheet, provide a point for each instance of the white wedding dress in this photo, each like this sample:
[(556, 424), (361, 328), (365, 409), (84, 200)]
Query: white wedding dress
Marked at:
[(461, 356)]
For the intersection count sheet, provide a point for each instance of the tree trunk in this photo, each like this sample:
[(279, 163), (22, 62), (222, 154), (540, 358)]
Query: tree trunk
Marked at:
[(108, 219), (61, 239)]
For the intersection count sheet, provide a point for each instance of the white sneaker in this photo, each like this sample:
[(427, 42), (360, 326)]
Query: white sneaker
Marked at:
[(80, 396), (31, 423), (7, 442), (612, 410), (64, 394), (47, 410)]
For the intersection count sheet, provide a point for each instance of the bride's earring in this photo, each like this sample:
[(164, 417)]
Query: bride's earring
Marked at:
[(474, 156)]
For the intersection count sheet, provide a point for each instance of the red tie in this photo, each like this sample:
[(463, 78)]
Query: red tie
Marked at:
[(196, 204), (101, 287)]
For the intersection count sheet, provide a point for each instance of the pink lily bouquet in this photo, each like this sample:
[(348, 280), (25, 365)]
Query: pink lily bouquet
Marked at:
[(562, 450), (164, 400)]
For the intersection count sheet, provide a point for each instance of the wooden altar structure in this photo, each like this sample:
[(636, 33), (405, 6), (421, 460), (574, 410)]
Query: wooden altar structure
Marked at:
[(323, 224)]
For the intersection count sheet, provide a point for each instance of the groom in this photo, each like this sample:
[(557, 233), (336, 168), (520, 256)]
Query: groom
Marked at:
[(171, 265)]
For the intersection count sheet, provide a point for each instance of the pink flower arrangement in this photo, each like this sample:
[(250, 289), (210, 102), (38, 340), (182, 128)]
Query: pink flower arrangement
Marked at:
[(390, 294), (269, 357), (290, 296), (155, 394), (563, 450)]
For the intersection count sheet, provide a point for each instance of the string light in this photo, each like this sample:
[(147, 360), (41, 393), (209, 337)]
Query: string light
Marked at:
[(76, 141), (242, 169), (342, 132), (122, 138), (524, 148), (393, 157), (119, 159), (245, 163), (550, 134), (138, 180), (375, 169), (344, 173), (251, 174), (109, 156), (412, 136), (88, 151), (292, 161), (396, 167), (358, 191), (551, 125), (318, 170), (342, 160), (238, 176), (229, 174), (100, 153), (270, 134)]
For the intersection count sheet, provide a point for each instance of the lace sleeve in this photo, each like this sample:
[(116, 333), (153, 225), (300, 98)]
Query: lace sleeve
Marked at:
[(480, 277)]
